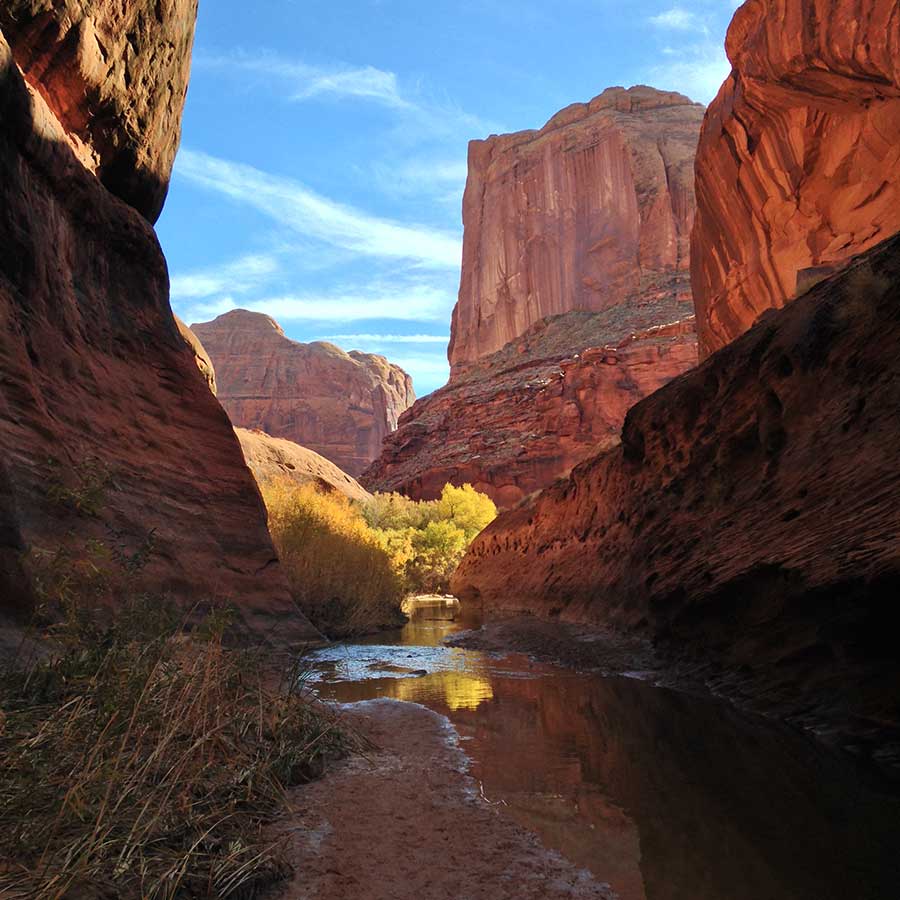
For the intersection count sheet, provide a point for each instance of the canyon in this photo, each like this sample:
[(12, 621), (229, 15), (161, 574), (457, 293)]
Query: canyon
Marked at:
[(574, 299), (110, 437), (746, 525), (337, 404)]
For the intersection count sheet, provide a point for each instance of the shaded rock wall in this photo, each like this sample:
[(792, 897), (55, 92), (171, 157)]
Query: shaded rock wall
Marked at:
[(749, 519), (798, 167), (590, 212), (114, 74), (109, 434), (341, 405)]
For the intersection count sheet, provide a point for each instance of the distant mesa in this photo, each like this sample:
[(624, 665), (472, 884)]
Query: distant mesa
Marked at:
[(340, 405), (574, 301)]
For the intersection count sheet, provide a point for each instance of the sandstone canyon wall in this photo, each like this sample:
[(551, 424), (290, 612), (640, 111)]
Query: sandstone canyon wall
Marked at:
[(573, 303), (749, 518), (592, 211), (341, 405), (798, 168), (109, 435)]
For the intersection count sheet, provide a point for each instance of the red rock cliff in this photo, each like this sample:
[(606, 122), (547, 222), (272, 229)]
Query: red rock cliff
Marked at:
[(515, 421), (602, 201), (108, 432), (341, 405), (798, 167), (749, 518), (115, 75)]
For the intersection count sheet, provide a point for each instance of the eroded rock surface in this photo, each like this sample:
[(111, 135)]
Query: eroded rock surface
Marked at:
[(517, 420), (113, 451), (749, 519), (341, 405), (798, 167), (114, 74), (603, 203), (271, 459)]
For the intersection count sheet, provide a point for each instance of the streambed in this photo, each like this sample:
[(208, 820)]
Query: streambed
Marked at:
[(662, 794)]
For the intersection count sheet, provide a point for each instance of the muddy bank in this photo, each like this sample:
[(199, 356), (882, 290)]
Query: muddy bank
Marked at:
[(409, 822)]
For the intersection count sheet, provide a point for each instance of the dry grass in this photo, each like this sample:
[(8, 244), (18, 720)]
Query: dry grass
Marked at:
[(140, 762)]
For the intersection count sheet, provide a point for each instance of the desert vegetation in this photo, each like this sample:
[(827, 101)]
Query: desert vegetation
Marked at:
[(142, 758), (351, 564)]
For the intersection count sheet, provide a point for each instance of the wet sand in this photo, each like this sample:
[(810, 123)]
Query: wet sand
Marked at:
[(410, 823)]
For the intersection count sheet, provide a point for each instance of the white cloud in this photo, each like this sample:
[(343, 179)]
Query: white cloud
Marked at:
[(295, 206), (389, 338), (305, 81), (697, 70), (678, 19), (441, 179), (239, 276)]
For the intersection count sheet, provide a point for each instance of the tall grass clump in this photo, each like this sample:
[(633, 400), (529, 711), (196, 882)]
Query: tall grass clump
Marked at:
[(138, 760), (339, 570)]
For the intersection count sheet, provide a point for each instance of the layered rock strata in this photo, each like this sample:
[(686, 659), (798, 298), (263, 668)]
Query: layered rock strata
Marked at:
[(592, 211), (340, 405), (798, 168), (748, 520), (524, 416), (113, 451)]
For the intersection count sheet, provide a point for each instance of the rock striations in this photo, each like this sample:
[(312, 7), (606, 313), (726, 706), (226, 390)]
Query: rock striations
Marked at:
[(341, 405), (592, 211), (798, 168), (524, 416), (573, 304), (750, 516), (109, 435)]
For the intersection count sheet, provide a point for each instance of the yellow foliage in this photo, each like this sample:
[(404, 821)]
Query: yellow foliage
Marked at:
[(339, 570)]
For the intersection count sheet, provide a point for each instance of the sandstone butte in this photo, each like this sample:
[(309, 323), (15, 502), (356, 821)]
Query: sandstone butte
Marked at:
[(798, 168), (749, 519), (101, 399), (603, 202), (341, 405), (574, 300)]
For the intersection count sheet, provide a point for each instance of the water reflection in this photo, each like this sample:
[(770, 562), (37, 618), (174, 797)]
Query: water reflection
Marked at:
[(664, 795)]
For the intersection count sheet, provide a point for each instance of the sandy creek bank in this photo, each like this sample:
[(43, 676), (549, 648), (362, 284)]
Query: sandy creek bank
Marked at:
[(497, 774)]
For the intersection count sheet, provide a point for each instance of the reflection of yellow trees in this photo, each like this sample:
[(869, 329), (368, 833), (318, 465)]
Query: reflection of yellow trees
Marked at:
[(456, 689)]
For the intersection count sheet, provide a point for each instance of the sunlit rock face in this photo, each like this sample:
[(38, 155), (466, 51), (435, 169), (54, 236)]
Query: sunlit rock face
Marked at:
[(522, 417), (114, 75), (277, 459), (749, 518), (341, 405), (113, 450), (798, 167), (592, 211), (574, 302)]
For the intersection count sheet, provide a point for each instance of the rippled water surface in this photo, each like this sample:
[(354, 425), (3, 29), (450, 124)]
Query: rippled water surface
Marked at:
[(664, 795)]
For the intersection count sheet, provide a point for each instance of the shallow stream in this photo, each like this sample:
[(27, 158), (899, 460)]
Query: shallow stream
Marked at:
[(665, 795)]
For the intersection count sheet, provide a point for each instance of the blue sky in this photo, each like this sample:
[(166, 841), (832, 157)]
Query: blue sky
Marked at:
[(323, 158)]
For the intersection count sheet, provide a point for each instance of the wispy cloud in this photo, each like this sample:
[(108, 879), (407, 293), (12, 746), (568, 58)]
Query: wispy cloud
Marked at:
[(240, 276), (293, 205), (305, 81), (678, 19), (389, 338), (697, 70)]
